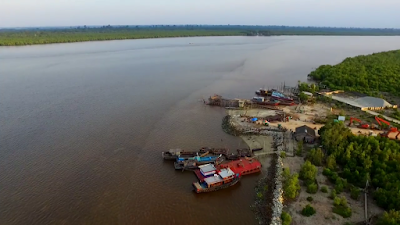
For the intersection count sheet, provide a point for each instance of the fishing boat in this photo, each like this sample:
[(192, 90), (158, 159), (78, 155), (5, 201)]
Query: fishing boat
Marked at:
[(200, 160), (263, 92), (186, 165), (224, 178), (280, 96), (173, 154)]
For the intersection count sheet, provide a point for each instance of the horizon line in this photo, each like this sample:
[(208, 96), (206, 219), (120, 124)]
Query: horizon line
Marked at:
[(147, 25)]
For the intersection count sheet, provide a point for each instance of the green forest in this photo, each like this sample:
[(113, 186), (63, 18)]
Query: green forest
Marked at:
[(368, 74), (31, 36), (356, 159)]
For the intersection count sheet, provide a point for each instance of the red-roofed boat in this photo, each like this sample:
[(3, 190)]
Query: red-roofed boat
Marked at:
[(243, 166)]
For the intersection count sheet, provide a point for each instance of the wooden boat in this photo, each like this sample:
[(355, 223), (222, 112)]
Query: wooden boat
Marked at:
[(264, 92), (186, 165), (200, 160), (244, 152), (267, 103), (232, 156), (224, 178), (289, 103), (256, 149), (173, 154), (220, 151)]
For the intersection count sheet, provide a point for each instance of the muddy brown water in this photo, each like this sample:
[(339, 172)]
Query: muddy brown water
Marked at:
[(83, 125)]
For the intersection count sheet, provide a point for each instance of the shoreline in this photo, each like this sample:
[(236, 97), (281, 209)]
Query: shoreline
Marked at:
[(191, 36)]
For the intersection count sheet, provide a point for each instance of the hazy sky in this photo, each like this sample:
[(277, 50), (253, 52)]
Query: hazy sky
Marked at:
[(341, 13)]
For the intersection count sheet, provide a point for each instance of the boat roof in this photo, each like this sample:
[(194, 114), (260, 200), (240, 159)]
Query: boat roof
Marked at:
[(213, 179), (238, 166), (207, 168), (224, 173)]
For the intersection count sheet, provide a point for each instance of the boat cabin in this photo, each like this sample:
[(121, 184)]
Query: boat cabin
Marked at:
[(226, 174), (207, 169), (212, 181), (223, 176)]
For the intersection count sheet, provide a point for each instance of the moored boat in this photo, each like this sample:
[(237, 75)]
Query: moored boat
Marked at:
[(263, 92), (173, 154), (224, 178), (200, 160), (186, 165), (243, 166)]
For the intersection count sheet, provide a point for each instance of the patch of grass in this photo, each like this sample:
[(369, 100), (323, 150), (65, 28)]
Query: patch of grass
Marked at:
[(324, 189), (310, 199), (283, 154), (308, 211)]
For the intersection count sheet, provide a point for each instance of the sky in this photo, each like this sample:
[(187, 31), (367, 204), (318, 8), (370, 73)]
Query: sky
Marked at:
[(332, 13)]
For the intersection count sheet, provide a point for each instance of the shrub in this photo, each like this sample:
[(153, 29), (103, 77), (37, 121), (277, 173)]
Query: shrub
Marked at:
[(327, 172), (291, 186), (343, 201), (286, 218), (331, 162), (354, 193), (308, 171), (312, 188), (336, 201), (345, 212), (341, 207), (308, 210), (283, 154), (340, 185), (316, 156), (333, 194), (324, 189), (299, 151), (286, 173), (310, 199)]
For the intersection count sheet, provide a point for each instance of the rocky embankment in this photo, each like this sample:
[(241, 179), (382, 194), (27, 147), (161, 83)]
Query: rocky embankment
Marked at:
[(269, 202)]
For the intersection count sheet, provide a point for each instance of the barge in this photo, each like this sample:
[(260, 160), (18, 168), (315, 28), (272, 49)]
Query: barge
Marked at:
[(222, 179)]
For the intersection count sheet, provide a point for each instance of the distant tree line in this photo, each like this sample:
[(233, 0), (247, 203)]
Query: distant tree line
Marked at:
[(47, 35), (369, 74)]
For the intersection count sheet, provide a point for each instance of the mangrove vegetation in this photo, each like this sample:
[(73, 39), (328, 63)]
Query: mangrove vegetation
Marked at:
[(31, 36), (354, 160), (368, 74)]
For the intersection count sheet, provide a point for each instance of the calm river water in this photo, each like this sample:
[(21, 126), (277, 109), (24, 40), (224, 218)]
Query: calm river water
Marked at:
[(83, 125)]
